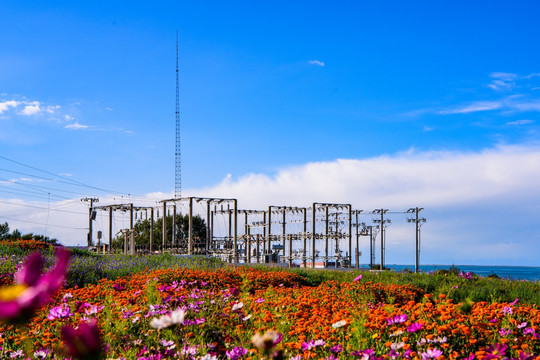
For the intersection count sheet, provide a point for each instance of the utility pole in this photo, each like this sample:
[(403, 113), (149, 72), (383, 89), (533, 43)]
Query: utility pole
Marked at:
[(382, 221), (357, 224), (418, 222), (91, 216)]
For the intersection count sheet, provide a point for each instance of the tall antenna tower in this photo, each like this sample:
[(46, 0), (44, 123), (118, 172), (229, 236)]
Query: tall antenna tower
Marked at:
[(177, 153)]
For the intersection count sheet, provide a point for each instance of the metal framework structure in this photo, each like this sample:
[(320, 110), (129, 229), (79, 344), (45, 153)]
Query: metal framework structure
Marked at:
[(280, 234), (132, 209), (177, 151)]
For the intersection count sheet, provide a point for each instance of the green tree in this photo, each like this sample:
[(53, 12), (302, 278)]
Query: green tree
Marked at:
[(16, 234), (142, 232), (4, 231)]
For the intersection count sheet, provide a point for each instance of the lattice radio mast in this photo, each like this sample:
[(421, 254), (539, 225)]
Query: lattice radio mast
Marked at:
[(177, 153)]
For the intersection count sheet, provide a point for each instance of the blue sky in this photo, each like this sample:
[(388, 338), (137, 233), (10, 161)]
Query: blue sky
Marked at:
[(279, 91)]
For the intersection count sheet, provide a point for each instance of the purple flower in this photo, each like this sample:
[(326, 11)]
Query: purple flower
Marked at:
[(358, 278), (236, 353), (414, 327), (507, 310), (312, 344), (431, 354), (306, 346), (118, 287), (32, 288), (259, 300), (83, 342), (319, 342), (59, 312), (398, 319), (336, 349), (234, 291), (525, 356), (466, 275), (504, 331), (528, 331), (514, 302), (522, 325), (497, 350)]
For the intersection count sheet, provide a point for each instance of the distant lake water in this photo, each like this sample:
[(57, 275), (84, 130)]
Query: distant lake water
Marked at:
[(531, 273)]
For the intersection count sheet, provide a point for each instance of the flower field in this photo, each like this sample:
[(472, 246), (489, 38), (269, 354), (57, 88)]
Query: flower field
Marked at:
[(254, 313)]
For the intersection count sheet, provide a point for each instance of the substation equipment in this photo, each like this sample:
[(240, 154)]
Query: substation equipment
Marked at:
[(325, 235)]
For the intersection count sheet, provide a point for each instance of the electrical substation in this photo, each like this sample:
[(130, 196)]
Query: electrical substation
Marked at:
[(323, 235), (320, 235)]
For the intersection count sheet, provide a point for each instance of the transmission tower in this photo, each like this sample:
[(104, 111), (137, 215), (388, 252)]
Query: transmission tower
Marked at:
[(177, 153)]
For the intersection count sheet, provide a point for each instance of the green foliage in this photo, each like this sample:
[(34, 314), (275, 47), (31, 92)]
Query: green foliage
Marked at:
[(16, 234), (142, 231), (4, 231), (86, 270), (453, 286)]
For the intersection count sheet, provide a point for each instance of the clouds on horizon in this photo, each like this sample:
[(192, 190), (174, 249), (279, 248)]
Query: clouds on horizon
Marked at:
[(474, 201)]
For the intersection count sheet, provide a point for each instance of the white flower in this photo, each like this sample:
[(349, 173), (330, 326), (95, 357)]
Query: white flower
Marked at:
[(339, 324), (237, 306), (40, 354), (397, 346), (266, 341), (247, 317), (208, 357), (176, 317)]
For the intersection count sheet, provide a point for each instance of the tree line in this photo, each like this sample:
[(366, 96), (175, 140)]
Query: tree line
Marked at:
[(6, 235)]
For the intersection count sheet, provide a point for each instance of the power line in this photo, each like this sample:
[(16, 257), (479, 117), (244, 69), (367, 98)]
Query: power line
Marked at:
[(37, 223), (44, 208), (34, 187), (20, 173), (74, 182), (22, 192)]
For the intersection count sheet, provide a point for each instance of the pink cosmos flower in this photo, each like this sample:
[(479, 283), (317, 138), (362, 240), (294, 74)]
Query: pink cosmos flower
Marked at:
[(414, 327), (431, 354), (59, 312), (497, 350), (358, 278), (398, 319), (83, 342), (32, 288)]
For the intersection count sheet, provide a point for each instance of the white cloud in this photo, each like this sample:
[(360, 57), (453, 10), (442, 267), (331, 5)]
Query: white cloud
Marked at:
[(5, 105), (35, 108), (526, 105), (502, 81), (109, 109), (520, 122), (68, 117), (316, 62), (77, 126), (471, 201), (474, 107), (434, 179)]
